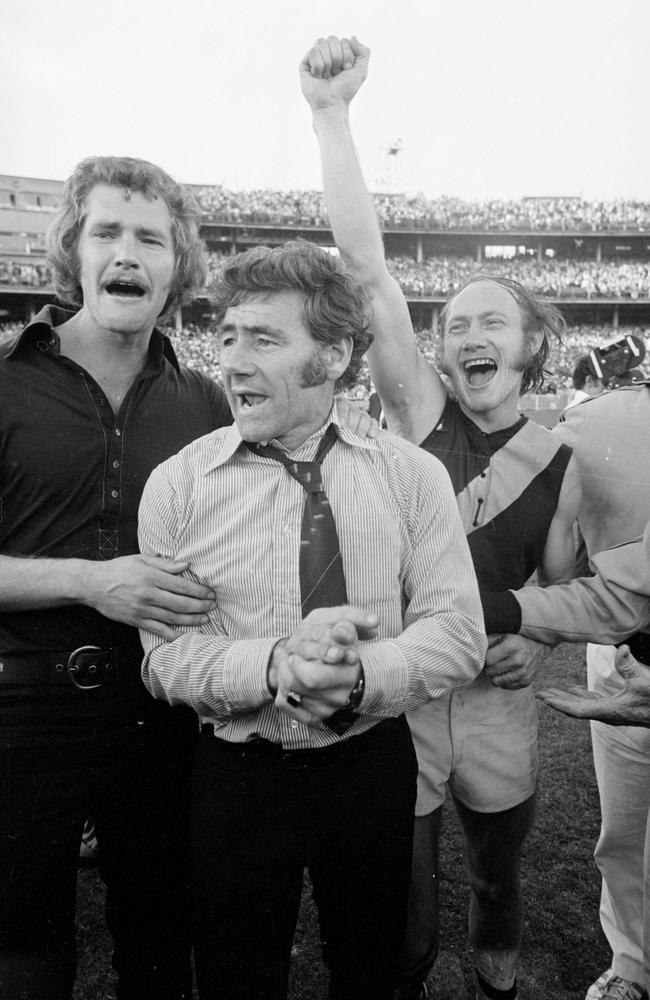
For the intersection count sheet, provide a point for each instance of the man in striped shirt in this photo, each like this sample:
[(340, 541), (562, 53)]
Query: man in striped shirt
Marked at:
[(276, 787)]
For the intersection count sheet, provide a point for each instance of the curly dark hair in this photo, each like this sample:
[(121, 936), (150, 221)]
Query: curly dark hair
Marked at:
[(537, 317), (190, 268), (581, 372), (335, 305)]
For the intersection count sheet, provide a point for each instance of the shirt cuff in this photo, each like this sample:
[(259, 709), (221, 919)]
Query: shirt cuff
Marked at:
[(245, 671), (502, 612), (386, 679)]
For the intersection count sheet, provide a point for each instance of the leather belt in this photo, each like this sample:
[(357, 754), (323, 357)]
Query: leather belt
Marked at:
[(86, 668)]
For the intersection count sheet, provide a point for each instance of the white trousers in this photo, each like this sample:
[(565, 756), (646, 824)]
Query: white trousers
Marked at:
[(622, 763)]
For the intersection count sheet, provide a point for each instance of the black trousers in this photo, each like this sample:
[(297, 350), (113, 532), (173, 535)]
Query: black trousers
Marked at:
[(259, 818), (133, 778)]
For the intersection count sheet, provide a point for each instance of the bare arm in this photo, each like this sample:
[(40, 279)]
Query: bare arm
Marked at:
[(143, 591), (559, 558), (412, 394)]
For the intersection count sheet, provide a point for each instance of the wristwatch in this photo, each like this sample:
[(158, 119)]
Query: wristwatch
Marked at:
[(356, 694)]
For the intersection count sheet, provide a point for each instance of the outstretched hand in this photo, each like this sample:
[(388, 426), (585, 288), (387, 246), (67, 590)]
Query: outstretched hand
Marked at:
[(628, 707), (332, 71)]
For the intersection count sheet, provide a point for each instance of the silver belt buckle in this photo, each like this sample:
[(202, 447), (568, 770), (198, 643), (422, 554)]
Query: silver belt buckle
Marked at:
[(73, 668)]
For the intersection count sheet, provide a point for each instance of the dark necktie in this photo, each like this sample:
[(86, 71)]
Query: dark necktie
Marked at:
[(322, 582)]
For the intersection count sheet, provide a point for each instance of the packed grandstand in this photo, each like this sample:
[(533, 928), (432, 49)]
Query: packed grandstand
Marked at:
[(590, 258)]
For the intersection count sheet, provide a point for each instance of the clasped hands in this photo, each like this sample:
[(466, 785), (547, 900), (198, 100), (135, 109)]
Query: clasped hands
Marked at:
[(319, 663)]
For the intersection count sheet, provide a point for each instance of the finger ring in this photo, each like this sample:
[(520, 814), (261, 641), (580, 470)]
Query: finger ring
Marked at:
[(294, 699)]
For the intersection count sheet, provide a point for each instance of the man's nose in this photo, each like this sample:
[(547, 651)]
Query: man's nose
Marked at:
[(475, 334), (126, 251), (237, 359)]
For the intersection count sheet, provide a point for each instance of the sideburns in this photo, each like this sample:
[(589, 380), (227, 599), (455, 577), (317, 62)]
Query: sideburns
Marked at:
[(314, 371)]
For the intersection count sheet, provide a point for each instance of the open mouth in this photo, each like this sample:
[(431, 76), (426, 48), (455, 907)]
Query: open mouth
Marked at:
[(249, 400), (125, 289), (479, 371)]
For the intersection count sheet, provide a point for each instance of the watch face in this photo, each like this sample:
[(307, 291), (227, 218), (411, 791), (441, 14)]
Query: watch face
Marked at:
[(356, 694)]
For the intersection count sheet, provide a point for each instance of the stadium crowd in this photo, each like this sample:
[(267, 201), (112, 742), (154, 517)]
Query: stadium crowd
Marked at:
[(401, 211), (441, 276), (15, 272), (404, 211)]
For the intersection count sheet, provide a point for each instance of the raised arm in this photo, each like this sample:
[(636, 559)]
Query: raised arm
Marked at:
[(412, 394)]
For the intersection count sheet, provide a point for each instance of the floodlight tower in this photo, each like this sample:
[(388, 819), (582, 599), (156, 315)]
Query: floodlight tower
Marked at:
[(389, 167)]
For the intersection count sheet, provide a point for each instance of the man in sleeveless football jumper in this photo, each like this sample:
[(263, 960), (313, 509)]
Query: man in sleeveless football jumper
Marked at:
[(517, 492)]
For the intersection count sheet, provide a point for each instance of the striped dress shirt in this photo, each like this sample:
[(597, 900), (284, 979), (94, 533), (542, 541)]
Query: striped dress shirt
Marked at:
[(235, 517)]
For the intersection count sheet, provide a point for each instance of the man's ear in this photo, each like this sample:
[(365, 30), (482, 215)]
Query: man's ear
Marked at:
[(337, 357), (535, 340)]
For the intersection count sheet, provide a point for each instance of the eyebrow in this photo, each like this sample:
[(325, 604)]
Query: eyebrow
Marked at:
[(252, 328), (158, 233), (484, 315), (103, 224), (140, 230)]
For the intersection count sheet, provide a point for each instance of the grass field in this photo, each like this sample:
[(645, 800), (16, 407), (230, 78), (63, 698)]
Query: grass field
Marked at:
[(564, 949)]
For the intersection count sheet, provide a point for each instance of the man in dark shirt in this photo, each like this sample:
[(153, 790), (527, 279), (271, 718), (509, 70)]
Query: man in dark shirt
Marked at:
[(90, 402)]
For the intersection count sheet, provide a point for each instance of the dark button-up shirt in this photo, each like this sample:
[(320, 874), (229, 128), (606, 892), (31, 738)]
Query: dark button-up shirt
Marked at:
[(72, 472)]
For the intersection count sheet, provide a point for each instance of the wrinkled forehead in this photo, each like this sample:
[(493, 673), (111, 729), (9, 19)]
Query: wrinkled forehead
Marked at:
[(125, 190), (123, 202), (281, 310)]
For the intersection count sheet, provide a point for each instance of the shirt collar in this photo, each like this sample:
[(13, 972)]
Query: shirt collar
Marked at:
[(233, 441), (40, 333)]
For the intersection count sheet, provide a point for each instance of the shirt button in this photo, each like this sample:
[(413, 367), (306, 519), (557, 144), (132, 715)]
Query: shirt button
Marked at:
[(117, 432), (116, 464), (294, 723), (115, 494)]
